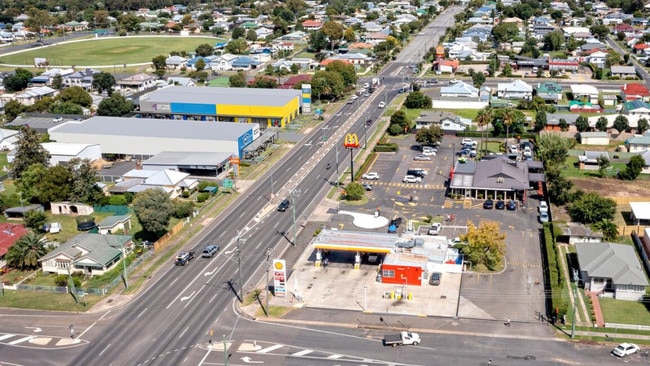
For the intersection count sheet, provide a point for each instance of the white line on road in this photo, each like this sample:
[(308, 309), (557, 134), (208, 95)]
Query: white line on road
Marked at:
[(21, 340), (206, 356), (334, 357), (276, 225), (145, 309), (92, 325), (269, 349), (242, 214), (213, 297), (258, 245), (188, 297), (183, 332), (2, 338), (104, 350), (302, 353), (173, 282)]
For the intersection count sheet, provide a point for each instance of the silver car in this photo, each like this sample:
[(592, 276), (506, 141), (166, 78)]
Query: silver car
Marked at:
[(421, 157)]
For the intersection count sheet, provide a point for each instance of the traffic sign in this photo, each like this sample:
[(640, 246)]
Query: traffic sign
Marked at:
[(227, 183)]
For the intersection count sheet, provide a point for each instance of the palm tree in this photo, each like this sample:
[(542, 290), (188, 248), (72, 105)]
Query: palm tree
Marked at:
[(508, 118), (25, 253), (483, 119), (608, 228)]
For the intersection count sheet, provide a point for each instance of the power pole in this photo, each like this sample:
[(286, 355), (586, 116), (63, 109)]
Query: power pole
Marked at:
[(126, 281), (225, 351), (269, 251), (241, 282), (294, 193)]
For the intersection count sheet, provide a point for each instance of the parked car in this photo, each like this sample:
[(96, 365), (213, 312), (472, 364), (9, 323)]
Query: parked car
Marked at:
[(469, 142), (625, 349), (435, 228), (371, 176), (500, 205), (367, 186), (411, 179), (488, 204), (543, 217), (543, 206), (511, 206), (284, 205), (429, 153), (435, 278), (421, 157)]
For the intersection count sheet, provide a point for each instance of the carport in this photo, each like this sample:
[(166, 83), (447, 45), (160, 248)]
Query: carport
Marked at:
[(359, 243)]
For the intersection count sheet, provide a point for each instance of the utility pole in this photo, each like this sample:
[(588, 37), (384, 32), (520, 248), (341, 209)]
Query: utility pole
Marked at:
[(336, 146), (269, 251), (294, 193), (241, 281), (225, 351), (126, 281), (575, 305)]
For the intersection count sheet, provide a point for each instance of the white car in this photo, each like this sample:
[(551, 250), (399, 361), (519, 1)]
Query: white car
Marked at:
[(421, 157), (411, 179), (382, 104), (543, 206), (429, 153), (435, 228), (371, 176), (625, 349)]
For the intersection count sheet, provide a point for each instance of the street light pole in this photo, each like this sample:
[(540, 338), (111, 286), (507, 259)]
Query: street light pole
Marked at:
[(575, 304), (225, 351), (241, 282), (294, 193), (268, 269), (126, 281), (365, 298)]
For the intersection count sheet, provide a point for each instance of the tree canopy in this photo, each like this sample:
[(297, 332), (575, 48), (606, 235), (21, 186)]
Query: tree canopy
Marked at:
[(29, 151), (591, 208), (154, 209), (429, 135), (484, 245), (417, 99), (116, 105), (104, 81), (26, 252)]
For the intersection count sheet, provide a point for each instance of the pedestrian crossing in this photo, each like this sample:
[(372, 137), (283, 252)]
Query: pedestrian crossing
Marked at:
[(38, 341)]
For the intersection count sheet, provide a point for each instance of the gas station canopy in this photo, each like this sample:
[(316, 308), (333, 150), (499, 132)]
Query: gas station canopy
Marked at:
[(352, 241)]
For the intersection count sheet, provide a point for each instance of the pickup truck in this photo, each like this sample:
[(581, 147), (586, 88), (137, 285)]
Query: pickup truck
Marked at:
[(184, 257), (401, 339)]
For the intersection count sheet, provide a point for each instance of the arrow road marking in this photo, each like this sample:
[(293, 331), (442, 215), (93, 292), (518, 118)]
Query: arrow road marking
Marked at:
[(34, 329), (210, 273), (248, 360), (188, 297)]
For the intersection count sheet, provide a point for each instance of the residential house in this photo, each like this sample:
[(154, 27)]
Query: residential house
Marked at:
[(83, 79), (138, 82), (312, 25), (191, 63), (296, 80), (592, 157), (8, 139), (30, 95), (175, 62), (114, 224), (636, 107), (558, 64), (640, 215), (442, 66), (575, 232), (459, 90), (170, 181), (540, 28), (375, 38), (584, 92), (611, 270), (638, 143), (549, 91), (517, 89), (62, 152), (91, 254), (634, 91), (553, 120), (428, 118), (614, 18), (355, 59), (9, 234), (597, 57), (179, 81), (295, 36), (47, 76), (223, 62), (245, 63), (623, 72), (371, 27), (594, 138), (262, 33), (641, 48)]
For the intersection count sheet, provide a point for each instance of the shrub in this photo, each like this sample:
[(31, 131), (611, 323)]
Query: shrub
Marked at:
[(202, 197), (117, 200), (186, 194), (183, 209), (62, 280), (387, 147)]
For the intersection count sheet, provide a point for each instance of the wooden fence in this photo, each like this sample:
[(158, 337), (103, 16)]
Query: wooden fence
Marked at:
[(165, 239)]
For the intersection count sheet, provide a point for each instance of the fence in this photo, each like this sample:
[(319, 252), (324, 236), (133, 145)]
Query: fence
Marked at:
[(115, 209), (165, 239), (627, 326)]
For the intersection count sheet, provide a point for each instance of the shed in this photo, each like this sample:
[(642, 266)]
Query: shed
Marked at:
[(594, 138), (71, 208), (575, 232), (112, 224), (640, 212), (19, 212)]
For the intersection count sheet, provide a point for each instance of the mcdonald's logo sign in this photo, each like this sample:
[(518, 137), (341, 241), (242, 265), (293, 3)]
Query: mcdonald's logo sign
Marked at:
[(351, 141)]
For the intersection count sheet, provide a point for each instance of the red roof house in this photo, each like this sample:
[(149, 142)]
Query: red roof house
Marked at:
[(9, 234), (312, 25), (294, 80), (630, 92)]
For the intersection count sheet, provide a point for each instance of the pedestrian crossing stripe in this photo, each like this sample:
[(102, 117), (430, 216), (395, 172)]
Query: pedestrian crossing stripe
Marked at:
[(449, 203), (524, 264)]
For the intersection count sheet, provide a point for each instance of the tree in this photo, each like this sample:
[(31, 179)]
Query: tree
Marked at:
[(18, 81), (327, 84), (608, 228), (153, 208), (485, 245), (26, 252), (642, 126), (621, 123), (603, 165), (35, 219), (504, 32), (333, 30), (478, 79), (429, 135), (399, 118), (264, 83), (317, 41), (237, 46), (354, 191), (204, 50), (633, 168), (347, 72), (28, 151), (552, 148), (116, 105), (159, 64), (483, 120), (558, 186), (238, 80), (553, 41), (418, 100), (199, 65), (129, 22), (13, 109), (563, 124), (76, 95), (238, 32), (612, 58), (37, 20), (591, 208), (507, 71), (349, 35), (40, 184), (582, 124), (103, 81), (84, 181), (601, 124), (66, 108), (540, 121), (251, 35), (600, 31)]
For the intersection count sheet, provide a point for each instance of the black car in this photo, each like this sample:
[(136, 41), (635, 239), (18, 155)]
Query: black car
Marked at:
[(369, 122), (500, 205), (488, 204), (512, 205), (284, 205)]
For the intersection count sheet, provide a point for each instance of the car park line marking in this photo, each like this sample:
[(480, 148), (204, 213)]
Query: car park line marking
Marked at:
[(269, 349), (302, 353), (6, 336)]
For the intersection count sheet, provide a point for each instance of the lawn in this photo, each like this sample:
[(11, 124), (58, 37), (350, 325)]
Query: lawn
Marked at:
[(464, 113), (624, 312), (572, 170), (46, 301), (108, 51)]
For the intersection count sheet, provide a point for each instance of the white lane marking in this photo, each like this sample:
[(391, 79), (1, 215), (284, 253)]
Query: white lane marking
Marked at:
[(269, 349), (242, 214), (104, 350), (21, 340), (302, 353), (2, 338), (145, 309), (92, 325), (206, 356), (173, 282), (183, 332), (188, 297), (334, 357), (213, 297)]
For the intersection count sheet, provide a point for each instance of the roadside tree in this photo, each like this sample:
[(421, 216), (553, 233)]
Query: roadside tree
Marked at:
[(621, 123), (354, 191), (418, 100), (347, 72), (115, 105), (485, 245), (24, 254), (601, 124), (591, 208), (429, 136), (153, 208), (28, 151)]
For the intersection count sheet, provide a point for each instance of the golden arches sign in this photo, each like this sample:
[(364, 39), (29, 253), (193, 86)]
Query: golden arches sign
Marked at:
[(351, 141)]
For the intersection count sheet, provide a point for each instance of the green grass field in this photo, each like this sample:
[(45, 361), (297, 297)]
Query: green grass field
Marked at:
[(109, 51)]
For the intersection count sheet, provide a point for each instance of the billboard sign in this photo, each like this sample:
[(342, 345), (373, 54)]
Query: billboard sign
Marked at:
[(306, 98), (280, 278), (351, 141)]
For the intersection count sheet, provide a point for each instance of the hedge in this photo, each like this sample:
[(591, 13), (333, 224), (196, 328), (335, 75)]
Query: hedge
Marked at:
[(555, 278), (389, 147)]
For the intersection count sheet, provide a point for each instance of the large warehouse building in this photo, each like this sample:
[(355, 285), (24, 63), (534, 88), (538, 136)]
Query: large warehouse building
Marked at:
[(142, 138), (265, 107)]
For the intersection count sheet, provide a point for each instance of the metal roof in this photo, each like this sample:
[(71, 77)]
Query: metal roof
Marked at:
[(153, 128), (64, 148), (355, 241), (181, 158), (609, 260), (229, 96)]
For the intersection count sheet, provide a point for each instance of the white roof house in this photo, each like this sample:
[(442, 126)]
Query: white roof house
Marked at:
[(459, 89), (640, 211), (170, 181), (517, 89), (8, 138), (61, 152), (582, 90)]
